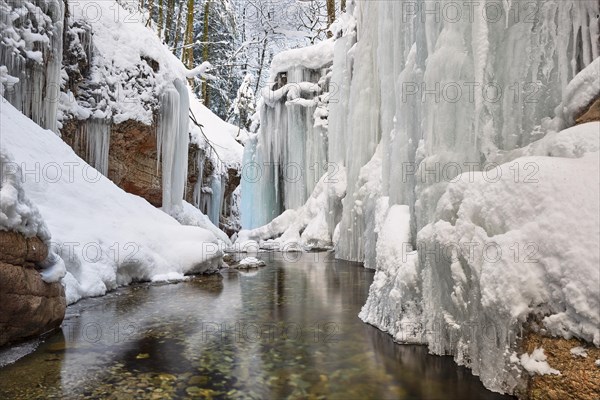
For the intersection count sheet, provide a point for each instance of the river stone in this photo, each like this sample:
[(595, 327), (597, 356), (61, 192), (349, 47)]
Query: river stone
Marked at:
[(249, 263)]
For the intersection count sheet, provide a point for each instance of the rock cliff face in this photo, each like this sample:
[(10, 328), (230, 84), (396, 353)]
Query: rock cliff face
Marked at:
[(126, 152), (132, 158), (133, 166), (28, 306)]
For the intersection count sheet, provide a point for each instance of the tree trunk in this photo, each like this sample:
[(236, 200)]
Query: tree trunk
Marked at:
[(187, 55), (330, 15), (178, 28), (160, 18), (169, 25), (150, 12), (343, 5), (260, 66), (205, 49)]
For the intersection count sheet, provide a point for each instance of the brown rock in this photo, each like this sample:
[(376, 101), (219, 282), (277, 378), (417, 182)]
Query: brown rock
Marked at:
[(19, 250), (132, 158), (590, 113), (579, 379), (28, 306)]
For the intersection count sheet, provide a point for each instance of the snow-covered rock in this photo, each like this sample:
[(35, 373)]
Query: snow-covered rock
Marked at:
[(249, 263), (17, 212)]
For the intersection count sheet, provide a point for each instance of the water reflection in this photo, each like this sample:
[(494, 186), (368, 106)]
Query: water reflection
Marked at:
[(288, 330)]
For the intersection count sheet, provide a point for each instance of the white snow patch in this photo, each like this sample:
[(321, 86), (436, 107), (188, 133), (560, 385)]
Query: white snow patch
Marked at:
[(579, 352), (535, 363), (190, 215), (249, 262)]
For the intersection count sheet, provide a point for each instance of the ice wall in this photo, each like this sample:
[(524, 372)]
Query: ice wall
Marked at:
[(467, 87), (522, 69), (31, 49)]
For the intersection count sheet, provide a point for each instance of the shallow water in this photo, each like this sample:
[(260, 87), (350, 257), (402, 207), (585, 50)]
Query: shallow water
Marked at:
[(287, 330)]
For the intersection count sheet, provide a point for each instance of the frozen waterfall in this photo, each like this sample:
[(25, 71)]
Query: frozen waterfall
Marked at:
[(96, 134), (172, 141), (463, 93), (32, 51), (284, 162)]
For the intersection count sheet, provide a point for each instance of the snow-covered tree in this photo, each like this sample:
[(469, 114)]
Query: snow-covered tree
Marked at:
[(238, 38), (243, 106)]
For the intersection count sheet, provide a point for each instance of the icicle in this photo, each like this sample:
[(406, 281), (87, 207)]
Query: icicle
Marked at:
[(96, 134), (35, 58), (172, 143)]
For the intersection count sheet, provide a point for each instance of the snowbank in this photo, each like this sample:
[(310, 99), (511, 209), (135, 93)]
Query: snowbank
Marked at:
[(190, 215), (17, 212), (220, 134), (302, 228), (517, 242), (105, 236), (580, 92), (316, 56)]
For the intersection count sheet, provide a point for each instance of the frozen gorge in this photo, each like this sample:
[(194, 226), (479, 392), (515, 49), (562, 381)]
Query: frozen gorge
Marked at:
[(439, 150), (445, 137)]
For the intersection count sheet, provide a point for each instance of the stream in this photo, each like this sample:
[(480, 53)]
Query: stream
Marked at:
[(287, 330)]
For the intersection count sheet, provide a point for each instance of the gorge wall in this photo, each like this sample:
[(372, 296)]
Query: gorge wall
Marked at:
[(62, 72), (427, 103)]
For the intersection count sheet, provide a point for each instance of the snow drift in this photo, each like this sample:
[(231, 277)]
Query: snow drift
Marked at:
[(105, 236)]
